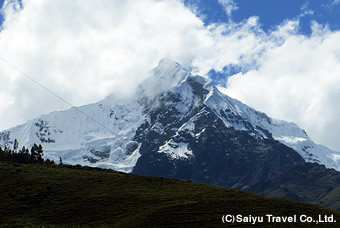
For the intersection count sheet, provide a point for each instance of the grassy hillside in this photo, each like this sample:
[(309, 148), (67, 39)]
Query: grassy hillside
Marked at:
[(37, 195), (332, 199)]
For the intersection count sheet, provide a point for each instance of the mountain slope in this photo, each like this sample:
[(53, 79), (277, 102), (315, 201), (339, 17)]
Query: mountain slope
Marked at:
[(223, 156), (41, 196), (77, 139)]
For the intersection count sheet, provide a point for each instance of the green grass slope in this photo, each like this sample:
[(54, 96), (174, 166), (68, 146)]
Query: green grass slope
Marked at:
[(37, 196), (332, 199)]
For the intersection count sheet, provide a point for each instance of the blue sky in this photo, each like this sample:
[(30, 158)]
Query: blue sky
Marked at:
[(1, 17), (273, 12), (279, 57)]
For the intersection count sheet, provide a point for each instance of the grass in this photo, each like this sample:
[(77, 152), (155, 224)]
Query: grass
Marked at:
[(42, 196)]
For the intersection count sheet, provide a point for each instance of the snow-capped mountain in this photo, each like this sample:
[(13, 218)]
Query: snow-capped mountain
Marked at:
[(181, 126), (168, 104)]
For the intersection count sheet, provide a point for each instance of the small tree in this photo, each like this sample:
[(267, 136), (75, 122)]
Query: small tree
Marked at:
[(15, 145), (40, 152), (3, 155), (37, 154), (25, 154), (22, 156)]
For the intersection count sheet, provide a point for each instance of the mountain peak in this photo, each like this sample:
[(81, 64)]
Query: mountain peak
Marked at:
[(167, 63), (167, 75), (168, 69)]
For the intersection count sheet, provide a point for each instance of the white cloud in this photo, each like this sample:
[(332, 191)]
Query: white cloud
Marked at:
[(298, 81), (305, 10), (330, 4), (229, 6), (85, 50), (335, 2), (239, 44)]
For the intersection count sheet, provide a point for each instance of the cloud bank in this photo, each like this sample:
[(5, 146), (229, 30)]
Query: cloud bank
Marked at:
[(298, 81), (85, 50)]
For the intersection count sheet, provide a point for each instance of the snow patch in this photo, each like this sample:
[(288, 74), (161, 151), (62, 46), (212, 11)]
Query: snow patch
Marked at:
[(290, 139), (199, 133), (176, 150)]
